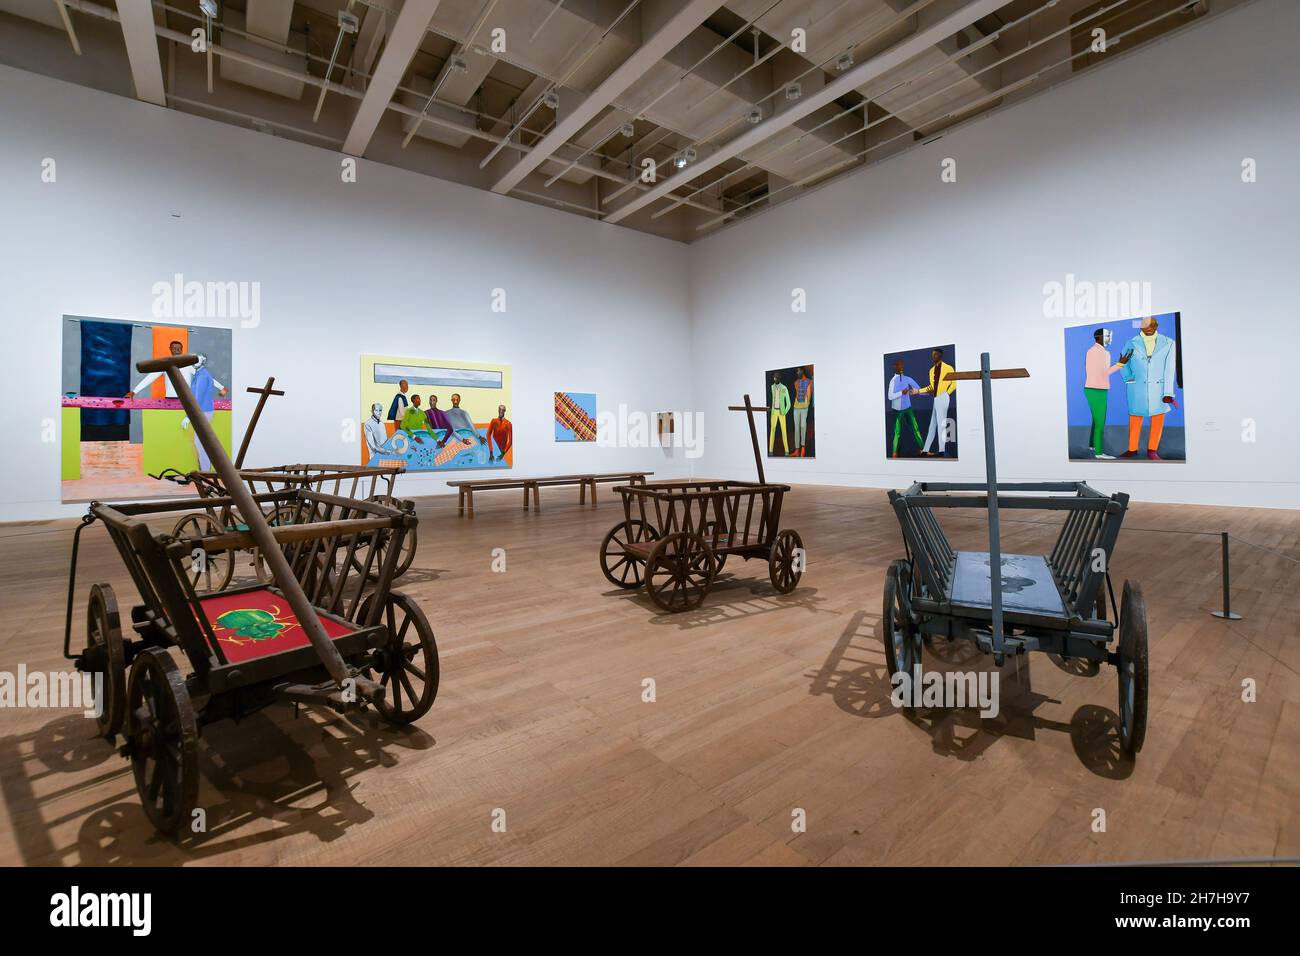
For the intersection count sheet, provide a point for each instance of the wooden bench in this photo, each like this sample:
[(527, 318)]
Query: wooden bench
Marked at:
[(466, 487)]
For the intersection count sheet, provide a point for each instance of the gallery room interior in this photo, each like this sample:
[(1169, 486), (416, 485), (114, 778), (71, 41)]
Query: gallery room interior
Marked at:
[(530, 432)]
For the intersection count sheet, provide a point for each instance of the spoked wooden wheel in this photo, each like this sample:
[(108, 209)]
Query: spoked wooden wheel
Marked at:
[(785, 561), (1132, 669), (680, 571), (362, 553), (106, 655), (620, 566), (897, 630), (211, 571), (407, 666), (162, 740)]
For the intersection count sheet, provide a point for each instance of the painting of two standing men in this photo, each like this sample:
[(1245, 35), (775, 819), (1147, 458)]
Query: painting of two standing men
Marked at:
[(1124, 390), (921, 403)]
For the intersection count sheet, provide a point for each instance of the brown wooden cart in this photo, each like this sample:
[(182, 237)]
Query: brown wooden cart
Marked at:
[(316, 634), (675, 536), (357, 482), (360, 482)]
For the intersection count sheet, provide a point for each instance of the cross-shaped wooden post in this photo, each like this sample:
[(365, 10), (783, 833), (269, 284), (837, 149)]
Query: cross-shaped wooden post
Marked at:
[(263, 393), (749, 408), (986, 375)]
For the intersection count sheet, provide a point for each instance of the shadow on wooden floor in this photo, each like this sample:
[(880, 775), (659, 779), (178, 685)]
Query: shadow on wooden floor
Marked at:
[(855, 676), (267, 778)]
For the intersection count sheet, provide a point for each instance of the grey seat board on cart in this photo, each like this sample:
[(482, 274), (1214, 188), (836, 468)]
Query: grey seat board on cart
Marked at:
[(1027, 583)]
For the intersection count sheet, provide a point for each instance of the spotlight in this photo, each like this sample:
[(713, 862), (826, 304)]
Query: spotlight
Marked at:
[(844, 61), (209, 8), (755, 115), (793, 91), (551, 100), (686, 156), (628, 129)]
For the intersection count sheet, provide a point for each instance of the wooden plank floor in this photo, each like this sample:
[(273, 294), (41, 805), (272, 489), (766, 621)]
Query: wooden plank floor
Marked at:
[(764, 704)]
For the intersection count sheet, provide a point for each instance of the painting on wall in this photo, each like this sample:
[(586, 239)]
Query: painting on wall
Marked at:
[(791, 425), (575, 416), (120, 427), (1124, 390), (434, 415), (921, 403)]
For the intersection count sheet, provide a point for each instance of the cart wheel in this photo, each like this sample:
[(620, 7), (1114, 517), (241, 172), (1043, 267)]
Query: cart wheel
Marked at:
[(361, 555), (621, 567), (218, 566), (104, 641), (902, 643), (679, 571), (1132, 669), (407, 666), (781, 566), (162, 740)]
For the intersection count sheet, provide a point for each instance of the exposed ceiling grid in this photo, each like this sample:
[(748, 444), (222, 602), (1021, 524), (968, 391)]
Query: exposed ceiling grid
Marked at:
[(669, 116)]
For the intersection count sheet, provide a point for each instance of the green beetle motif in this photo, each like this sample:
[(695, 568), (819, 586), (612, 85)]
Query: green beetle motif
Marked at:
[(252, 624)]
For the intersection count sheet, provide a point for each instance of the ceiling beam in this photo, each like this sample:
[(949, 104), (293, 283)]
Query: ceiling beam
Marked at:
[(404, 39), (142, 50), (652, 51), (855, 77)]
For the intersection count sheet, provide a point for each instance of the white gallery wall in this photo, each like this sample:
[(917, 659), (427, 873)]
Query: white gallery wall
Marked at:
[(1129, 173), (395, 263)]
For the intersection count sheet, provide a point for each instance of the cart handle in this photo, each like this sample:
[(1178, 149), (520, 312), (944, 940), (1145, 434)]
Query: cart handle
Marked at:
[(307, 616), (164, 362)]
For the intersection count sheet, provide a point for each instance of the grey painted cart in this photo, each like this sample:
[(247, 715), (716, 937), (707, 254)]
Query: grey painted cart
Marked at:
[(1054, 602)]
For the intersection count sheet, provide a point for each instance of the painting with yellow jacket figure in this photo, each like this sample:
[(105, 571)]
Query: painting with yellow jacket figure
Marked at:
[(921, 403), (791, 421), (1124, 390)]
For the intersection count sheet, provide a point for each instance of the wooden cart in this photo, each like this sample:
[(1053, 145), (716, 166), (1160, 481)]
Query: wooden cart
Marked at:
[(1053, 603), (319, 634), (350, 481), (675, 536), (358, 482)]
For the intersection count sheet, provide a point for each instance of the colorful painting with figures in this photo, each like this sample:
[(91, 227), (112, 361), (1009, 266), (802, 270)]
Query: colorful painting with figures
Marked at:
[(791, 428), (921, 403), (575, 416), (435, 415), (1124, 390), (121, 428)]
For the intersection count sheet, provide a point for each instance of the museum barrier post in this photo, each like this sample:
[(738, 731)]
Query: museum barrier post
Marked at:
[(1226, 613)]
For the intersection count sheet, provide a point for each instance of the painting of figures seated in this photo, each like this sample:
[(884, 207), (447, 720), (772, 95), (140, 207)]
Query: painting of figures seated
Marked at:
[(429, 415)]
